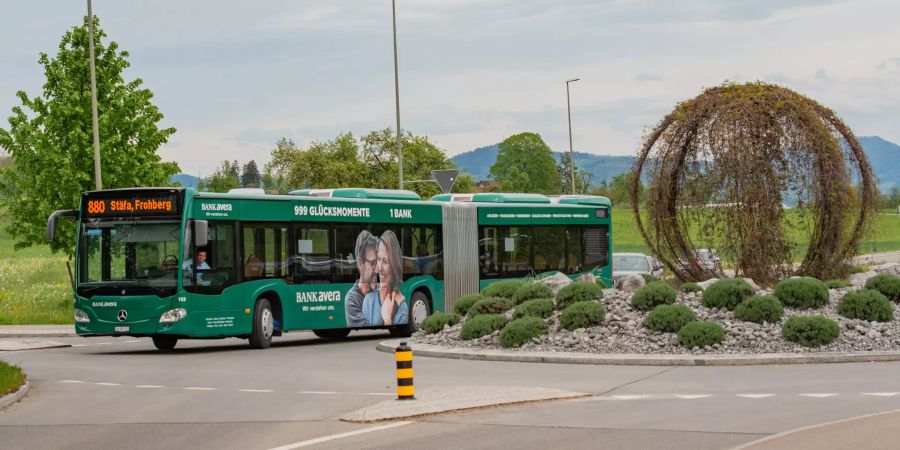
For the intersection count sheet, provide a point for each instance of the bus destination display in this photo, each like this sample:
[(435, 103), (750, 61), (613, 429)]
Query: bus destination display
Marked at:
[(144, 205)]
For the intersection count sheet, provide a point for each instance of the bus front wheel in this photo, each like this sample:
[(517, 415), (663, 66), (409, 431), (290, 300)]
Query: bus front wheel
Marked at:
[(163, 342), (263, 325)]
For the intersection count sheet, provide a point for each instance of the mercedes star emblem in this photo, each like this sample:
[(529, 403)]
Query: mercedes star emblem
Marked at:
[(123, 315)]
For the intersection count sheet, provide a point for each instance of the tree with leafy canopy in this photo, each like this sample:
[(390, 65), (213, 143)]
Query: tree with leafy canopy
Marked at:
[(526, 164), (250, 175), (50, 139), (620, 189), (370, 162), (223, 179), (331, 164), (582, 177), (420, 157)]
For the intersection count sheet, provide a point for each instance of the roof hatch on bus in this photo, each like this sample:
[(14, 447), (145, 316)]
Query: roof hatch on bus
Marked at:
[(374, 194), (587, 200), (493, 197)]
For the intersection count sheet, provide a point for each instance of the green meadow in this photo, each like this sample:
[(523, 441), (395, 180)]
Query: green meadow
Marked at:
[(884, 237)]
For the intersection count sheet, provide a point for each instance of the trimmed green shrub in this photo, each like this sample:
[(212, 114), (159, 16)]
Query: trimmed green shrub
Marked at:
[(887, 284), (759, 309), (691, 287), (577, 292), (804, 292), (868, 305), (810, 331), (462, 305), (649, 278), (653, 294), (836, 284), (482, 325), (435, 322), (669, 318), (502, 288), (493, 305), (538, 307), (531, 291), (520, 331), (701, 334), (726, 293), (601, 283), (582, 315)]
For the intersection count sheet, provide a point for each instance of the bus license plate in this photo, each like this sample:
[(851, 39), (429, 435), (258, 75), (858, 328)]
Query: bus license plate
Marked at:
[(122, 329)]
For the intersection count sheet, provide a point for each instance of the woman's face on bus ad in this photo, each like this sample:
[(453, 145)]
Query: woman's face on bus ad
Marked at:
[(385, 277)]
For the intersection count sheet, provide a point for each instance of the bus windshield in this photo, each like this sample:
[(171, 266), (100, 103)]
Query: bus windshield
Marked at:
[(134, 253)]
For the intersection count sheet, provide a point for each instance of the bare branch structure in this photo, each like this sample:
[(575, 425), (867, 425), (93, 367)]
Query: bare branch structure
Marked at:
[(721, 169)]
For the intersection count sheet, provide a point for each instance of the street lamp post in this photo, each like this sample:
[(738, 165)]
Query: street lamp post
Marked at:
[(397, 94), (571, 152), (98, 181)]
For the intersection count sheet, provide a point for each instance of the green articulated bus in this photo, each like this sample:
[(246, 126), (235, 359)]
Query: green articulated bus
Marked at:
[(175, 263)]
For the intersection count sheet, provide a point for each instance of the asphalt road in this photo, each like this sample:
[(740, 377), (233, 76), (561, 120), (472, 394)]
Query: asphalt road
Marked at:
[(122, 393)]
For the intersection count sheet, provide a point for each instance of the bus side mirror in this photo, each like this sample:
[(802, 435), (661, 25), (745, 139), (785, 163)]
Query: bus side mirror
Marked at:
[(201, 233), (51, 222)]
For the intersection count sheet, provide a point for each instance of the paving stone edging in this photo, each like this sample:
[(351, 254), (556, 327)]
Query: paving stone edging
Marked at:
[(631, 359), (9, 399)]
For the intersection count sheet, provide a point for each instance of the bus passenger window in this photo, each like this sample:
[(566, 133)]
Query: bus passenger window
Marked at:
[(489, 252), (313, 262)]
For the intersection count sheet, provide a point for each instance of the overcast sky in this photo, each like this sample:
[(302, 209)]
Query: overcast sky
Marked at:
[(233, 77)]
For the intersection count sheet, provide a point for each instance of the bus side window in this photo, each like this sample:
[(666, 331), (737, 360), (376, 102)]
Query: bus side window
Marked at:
[(313, 261), (489, 251)]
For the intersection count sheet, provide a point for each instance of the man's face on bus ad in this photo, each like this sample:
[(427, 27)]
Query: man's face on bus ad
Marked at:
[(367, 269)]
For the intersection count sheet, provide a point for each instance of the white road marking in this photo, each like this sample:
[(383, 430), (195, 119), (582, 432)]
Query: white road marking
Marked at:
[(881, 394), (71, 381), (318, 392), (333, 437), (630, 397), (108, 384), (80, 345), (149, 386), (822, 395), (692, 396), (195, 388), (133, 341), (376, 393), (755, 395), (255, 390)]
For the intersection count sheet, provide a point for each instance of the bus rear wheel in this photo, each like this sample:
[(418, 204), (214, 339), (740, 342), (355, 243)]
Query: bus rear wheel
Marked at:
[(332, 333), (263, 325), (165, 343)]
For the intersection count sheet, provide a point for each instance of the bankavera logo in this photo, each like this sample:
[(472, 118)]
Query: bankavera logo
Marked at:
[(215, 206)]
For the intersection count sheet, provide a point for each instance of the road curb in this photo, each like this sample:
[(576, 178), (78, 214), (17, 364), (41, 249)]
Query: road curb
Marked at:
[(447, 399), (9, 399), (632, 359)]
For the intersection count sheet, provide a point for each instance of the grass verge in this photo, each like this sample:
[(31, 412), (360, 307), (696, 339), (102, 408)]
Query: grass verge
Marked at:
[(11, 378)]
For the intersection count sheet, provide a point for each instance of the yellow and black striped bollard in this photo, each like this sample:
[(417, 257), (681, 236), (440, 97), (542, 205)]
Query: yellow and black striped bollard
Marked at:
[(405, 388)]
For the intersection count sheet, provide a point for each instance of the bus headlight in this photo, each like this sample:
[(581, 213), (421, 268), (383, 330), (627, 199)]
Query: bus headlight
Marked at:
[(173, 315), (81, 316)]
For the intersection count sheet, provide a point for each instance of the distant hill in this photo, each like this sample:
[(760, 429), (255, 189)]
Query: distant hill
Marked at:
[(185, 180), (883, 155)]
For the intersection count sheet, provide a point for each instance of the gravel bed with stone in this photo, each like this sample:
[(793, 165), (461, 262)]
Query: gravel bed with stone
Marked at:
[(622, 330)]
